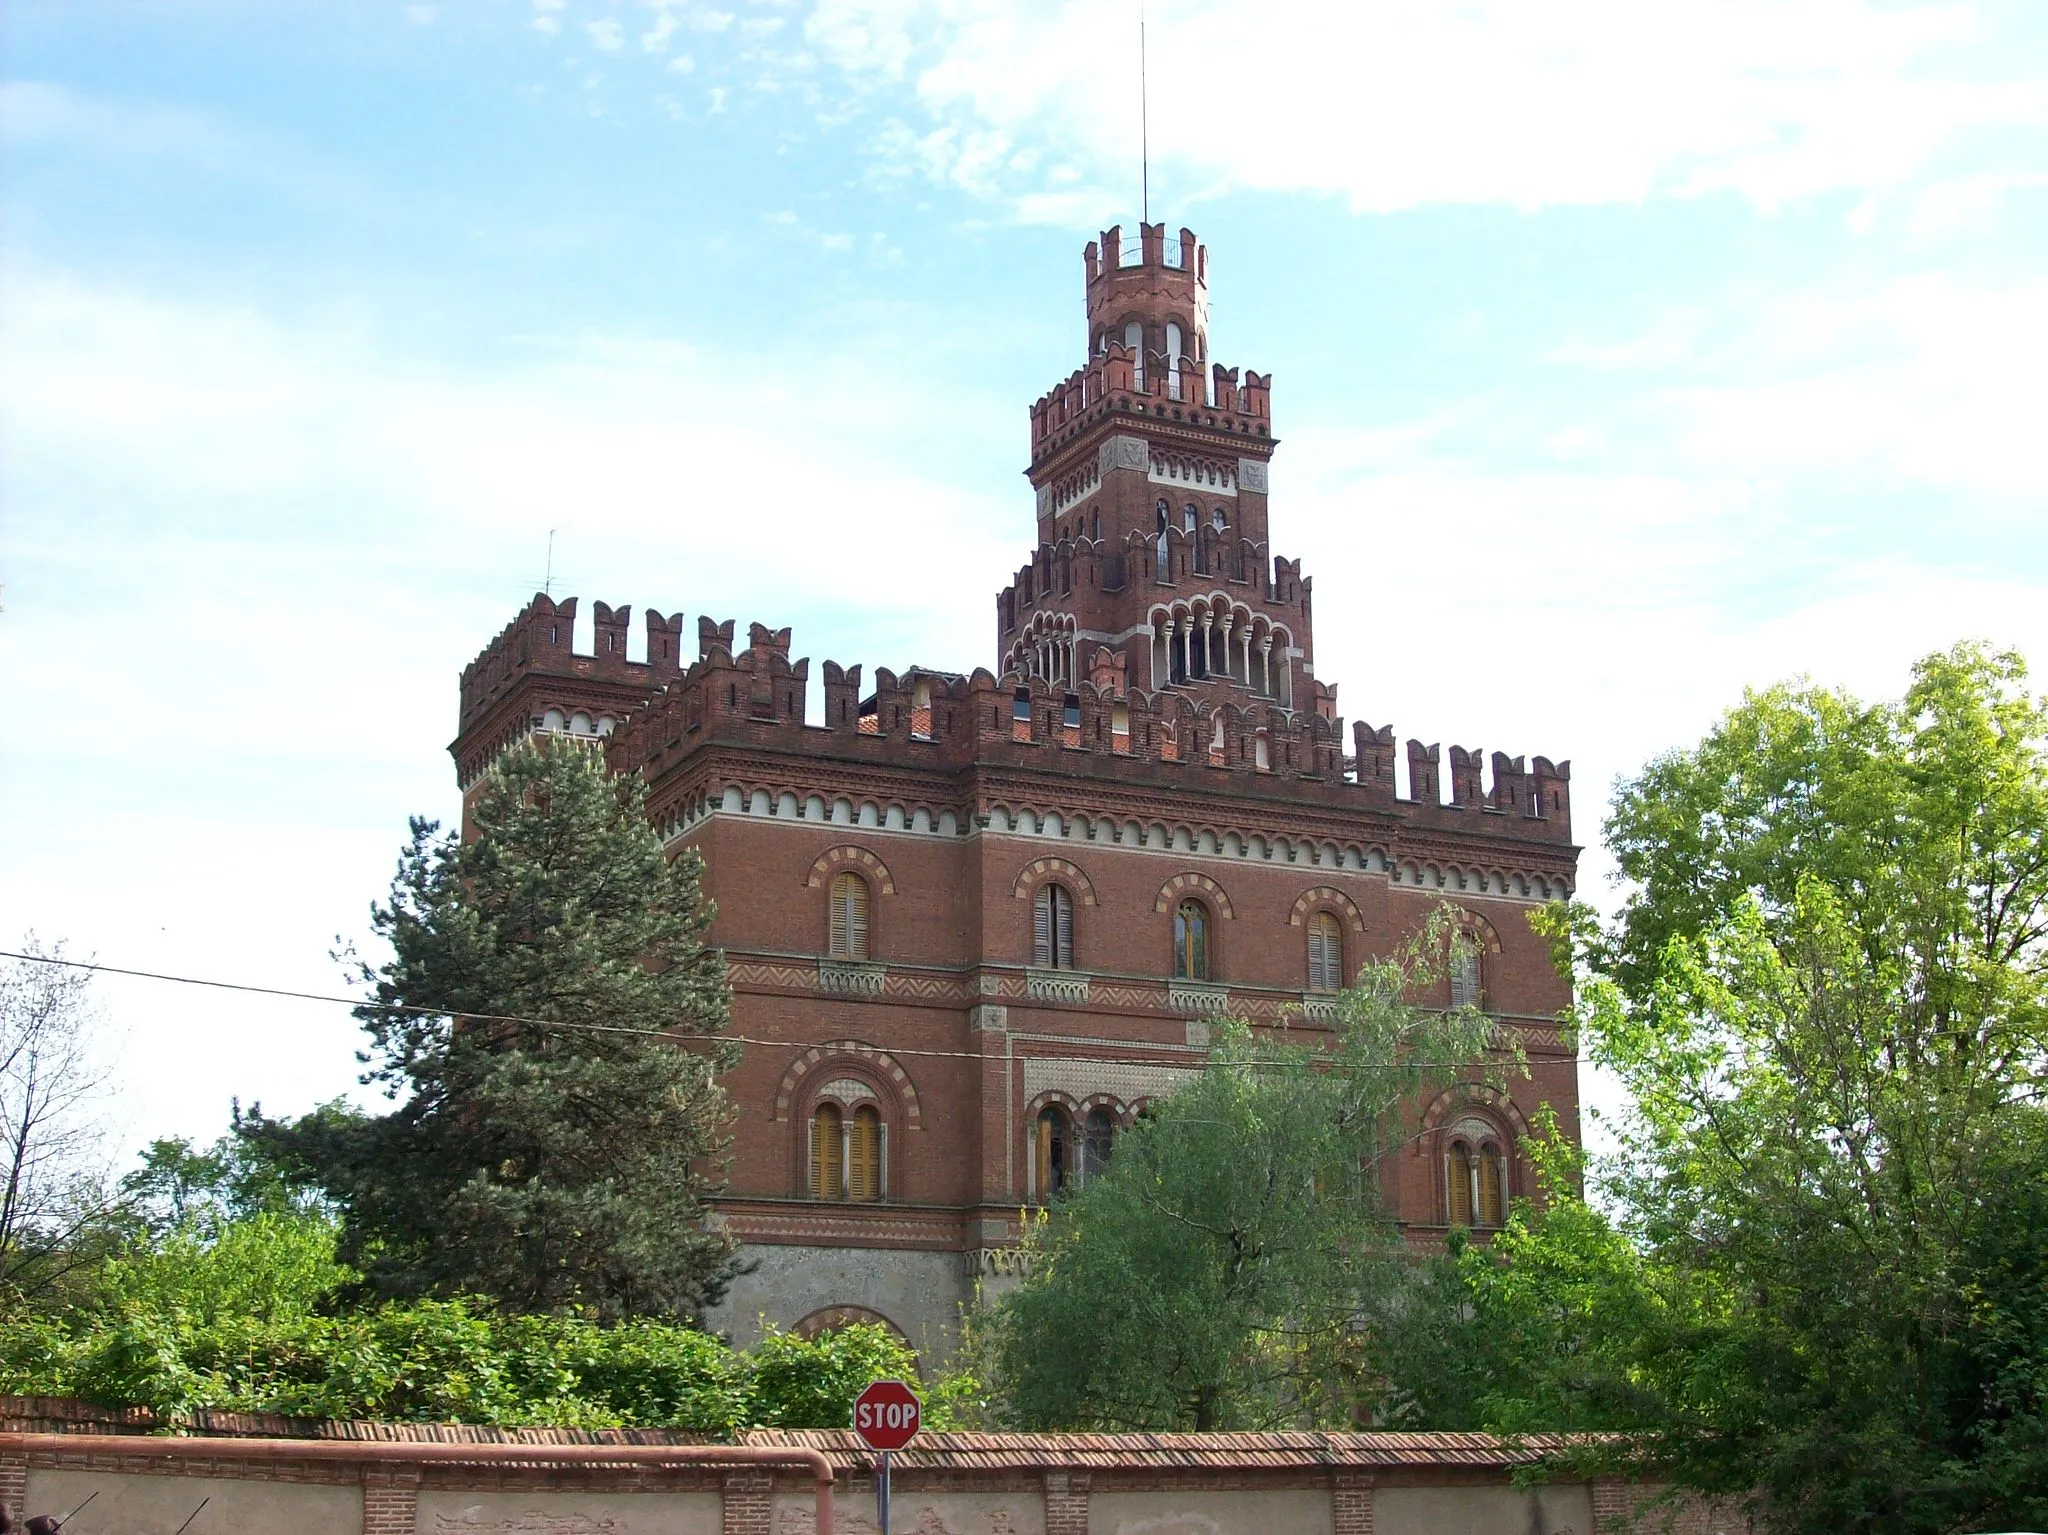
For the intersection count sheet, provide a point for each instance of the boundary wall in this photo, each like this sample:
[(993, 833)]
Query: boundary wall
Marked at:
[(308, 1477)]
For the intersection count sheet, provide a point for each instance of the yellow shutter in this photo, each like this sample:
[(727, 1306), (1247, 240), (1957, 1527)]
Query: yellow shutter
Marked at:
[(826, 1182), (1461, 1184), (864, 1163), (856, 917), (847, 937), (1325, 953), (1492, 1210)]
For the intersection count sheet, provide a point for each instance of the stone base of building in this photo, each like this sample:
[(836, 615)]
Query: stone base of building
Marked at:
[(919, 1294)]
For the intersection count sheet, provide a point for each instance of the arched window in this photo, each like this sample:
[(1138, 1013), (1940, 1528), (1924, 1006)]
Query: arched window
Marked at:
[(1465, 971), (864, 1154), (1325, 953), (847, 927), (1098, 1139), (1461, 1180), (1050, 1151), (1052, 927), (828, 1136), (1217, 520), (1492, 1196), (1191, 941)]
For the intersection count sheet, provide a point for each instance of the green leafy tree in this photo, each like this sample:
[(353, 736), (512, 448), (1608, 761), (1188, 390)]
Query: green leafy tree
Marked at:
[(1543, 1329), (803, 1382), (548, 1021), (1827, 998), (1213, 1276)]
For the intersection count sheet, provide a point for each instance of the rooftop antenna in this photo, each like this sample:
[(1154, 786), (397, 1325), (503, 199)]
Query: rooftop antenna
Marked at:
[(1144, 129), (548, 581)]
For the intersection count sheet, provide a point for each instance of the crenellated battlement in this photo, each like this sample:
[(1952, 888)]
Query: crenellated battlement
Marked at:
[(1115, 384), (757, 697), (541, 639)]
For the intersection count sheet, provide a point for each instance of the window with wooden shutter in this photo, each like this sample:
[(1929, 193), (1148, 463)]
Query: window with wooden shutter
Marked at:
[(1492, 1201), (864, 1154), (847, 935), (1052, 928), (1050, 1148), (1461, 1171), (1464, 972), (1325, 953), (827, 1143), (1191, 941)]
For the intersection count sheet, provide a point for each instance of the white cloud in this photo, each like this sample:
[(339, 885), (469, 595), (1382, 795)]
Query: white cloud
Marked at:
[(681, 64), (323, 530), (421, 15), (1923, 379), (606, 36), (655, 38), (1390, 105)]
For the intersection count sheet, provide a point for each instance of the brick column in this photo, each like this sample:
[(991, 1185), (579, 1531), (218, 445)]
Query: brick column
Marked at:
[(1614, 1507), (391, 1500), (14, 1484), (1351, 1503), (748, 1500), (1066, 1503)]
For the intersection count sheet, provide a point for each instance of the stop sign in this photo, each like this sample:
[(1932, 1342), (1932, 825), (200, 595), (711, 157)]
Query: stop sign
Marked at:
[(885, 1415)]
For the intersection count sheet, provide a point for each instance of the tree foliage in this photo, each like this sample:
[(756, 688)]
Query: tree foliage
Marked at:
[(548, 1021), (243, 1305), (1824, 997), (50, 1076), (1212, 1276)]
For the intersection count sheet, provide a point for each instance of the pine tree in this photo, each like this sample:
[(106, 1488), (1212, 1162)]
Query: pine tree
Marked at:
[(548, 1021)]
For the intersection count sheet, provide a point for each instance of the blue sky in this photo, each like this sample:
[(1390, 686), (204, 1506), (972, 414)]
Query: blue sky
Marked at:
[(1625, 355)]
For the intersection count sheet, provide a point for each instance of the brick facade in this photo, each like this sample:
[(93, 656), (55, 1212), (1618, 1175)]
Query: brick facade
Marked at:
[(1152, 732)]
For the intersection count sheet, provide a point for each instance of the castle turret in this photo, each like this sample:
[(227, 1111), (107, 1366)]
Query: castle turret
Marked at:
[(1149, 465), (1151, 297)]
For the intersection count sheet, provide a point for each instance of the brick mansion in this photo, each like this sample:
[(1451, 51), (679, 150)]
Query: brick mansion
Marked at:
[(975, 923)]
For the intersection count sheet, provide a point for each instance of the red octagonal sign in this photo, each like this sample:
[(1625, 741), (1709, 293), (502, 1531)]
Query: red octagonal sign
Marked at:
[(886, 1414)]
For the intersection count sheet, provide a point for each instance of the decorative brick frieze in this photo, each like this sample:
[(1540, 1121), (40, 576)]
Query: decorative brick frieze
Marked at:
[(1197, 999), (851, 978), (1056, 986)]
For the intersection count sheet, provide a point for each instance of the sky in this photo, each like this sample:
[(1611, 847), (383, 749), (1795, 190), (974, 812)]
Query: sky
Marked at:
[(1625, 356)]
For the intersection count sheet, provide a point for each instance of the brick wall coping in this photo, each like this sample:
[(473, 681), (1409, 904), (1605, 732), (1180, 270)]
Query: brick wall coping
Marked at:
[(1152, 1452), (839, 1449)]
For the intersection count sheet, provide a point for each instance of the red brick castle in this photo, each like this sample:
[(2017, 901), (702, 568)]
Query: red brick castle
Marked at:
[(974, 923)]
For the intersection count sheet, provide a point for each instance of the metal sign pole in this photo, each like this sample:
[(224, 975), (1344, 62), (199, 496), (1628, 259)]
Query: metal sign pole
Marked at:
[(882, 1489)]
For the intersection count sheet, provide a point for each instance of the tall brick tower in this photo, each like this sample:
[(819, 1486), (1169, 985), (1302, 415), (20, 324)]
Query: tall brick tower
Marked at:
[(975, 922), (1150, 468)]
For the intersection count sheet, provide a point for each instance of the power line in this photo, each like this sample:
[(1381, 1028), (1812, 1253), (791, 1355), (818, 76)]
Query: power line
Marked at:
[(552, 1023)]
